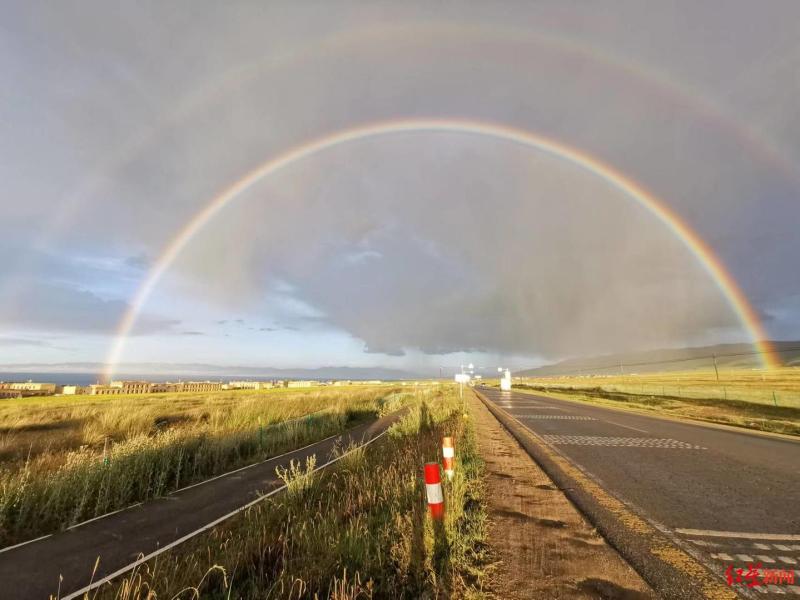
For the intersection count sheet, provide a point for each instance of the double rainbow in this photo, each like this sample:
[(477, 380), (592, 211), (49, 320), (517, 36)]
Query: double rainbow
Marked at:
[(683, 231)]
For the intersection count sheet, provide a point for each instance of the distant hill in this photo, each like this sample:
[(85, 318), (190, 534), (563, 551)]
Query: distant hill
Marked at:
[(729, 356)]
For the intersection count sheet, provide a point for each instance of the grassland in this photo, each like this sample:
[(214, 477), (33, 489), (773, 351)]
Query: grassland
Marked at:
[(71, 459), (358, 529), (761, 400)]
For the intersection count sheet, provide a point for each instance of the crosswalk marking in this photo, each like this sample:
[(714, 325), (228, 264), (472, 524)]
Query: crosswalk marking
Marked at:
[(745, 557), (722, 556)]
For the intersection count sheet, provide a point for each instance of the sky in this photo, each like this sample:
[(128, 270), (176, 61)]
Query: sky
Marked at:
[(412, 250)]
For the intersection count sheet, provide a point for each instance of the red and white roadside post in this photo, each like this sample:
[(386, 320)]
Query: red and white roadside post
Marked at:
[(448, 456), (433, 488)]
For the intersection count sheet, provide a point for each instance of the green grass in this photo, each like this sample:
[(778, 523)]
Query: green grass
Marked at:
[(155, 447), (357, 529)]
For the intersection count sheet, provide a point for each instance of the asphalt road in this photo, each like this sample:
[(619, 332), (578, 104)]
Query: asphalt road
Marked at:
[(727, 497), (31, 571)]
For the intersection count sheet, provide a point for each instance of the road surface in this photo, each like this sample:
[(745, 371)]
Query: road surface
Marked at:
[(31, 571), (724, 496)]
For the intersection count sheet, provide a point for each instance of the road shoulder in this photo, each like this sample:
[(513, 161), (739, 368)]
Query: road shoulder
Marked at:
[(542, 545)]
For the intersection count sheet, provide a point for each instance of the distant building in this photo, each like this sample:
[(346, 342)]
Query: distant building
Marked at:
[(7, 392), (97, 389), (132, 387), (251, 385), (72, 390), (302, 384), (198, 386), (32, 386), (148, 387)]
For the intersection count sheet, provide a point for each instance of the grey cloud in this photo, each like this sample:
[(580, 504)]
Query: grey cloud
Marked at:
[(576, 268), (7, 341), (138, 261), (52, 307), (442, 242)]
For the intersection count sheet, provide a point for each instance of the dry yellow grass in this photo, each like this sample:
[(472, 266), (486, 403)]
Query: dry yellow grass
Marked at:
[(358, 529), (761, 400), (70, 461), (776, 386)]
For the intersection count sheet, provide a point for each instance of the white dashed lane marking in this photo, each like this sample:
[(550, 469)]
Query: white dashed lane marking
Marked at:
[(562, 417), (626, 442)]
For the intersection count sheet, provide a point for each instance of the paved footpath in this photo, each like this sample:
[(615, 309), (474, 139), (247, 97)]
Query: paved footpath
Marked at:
[(31, 571), (724, 496)]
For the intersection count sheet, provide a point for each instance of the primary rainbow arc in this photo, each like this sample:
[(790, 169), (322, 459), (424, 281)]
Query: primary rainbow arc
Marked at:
[(696, 245)]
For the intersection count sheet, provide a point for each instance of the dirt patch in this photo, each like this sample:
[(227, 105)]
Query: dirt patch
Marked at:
[(543, 547)]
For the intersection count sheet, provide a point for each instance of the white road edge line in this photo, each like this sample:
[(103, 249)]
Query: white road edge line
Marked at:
[(739, 534), (244, 468), (204, 528), (103, 516), (25, 543)]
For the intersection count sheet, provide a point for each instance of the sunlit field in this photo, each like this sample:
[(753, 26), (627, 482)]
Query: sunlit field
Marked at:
[(358, 529), (755, 399), (66, 460), (779, 387)]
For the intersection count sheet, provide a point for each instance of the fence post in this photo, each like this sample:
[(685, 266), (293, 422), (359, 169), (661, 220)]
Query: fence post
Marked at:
[(774, 398)]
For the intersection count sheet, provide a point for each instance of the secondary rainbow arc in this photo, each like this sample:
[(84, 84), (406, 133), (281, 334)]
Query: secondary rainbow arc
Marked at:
[(696, 245)]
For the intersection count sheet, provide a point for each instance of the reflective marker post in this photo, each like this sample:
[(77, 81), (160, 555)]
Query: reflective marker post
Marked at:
[(433, 490)]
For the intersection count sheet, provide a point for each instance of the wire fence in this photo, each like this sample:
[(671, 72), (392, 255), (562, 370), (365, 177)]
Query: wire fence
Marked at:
[(785, 398)]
